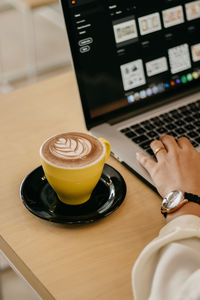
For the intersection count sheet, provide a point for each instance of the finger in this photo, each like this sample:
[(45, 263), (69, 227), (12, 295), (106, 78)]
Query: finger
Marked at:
[(169, 142), (147, 162), (158, 149), (184, 143)]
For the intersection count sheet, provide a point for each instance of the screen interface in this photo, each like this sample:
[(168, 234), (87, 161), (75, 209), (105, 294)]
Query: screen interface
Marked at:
[(129, 51)]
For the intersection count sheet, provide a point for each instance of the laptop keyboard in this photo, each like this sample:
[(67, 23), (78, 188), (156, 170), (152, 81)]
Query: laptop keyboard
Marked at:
[(183, 121)]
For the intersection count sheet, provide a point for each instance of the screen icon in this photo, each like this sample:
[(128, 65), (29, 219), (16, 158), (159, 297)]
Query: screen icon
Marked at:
[(189, 77), (183, 79), (195, 75), (130, 99)]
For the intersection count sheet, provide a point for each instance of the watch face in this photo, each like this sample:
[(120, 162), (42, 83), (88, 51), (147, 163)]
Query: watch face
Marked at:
[(172, 200)]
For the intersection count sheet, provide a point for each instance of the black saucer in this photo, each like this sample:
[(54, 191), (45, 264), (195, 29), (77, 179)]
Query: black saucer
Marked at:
[(41, 200)]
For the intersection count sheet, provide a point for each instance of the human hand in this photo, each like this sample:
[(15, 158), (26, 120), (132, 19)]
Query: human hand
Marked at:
[(177, 166)]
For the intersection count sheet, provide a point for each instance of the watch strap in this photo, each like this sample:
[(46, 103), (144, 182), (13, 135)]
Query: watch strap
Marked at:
[(192, 197), (164, 214)]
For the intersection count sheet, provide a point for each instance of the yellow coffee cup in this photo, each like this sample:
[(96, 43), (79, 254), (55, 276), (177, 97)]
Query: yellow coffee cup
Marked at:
[(73, 181)]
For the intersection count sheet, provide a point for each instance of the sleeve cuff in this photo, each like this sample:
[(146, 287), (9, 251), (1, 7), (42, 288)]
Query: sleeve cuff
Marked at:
[(184, 223), (180, 228)]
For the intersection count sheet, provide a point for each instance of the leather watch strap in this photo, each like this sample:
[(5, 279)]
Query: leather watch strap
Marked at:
[(192, 197)]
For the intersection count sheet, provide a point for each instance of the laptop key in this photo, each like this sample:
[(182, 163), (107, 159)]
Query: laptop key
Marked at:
[(189, 119), (135, 126), (197, 140), (149, 126), (186, 112), (189, 127), (158, 123), (155, 119), (197, 123), (174, 111), (193, 105), (194, 144), (161, 130), (179, 123), (180, 131), (176, 116), (152, 134), (144, 123), (125, 130), (170, 126), (182, 108), (197, 116), (130, 134), (149, 151), (139, 130), (146, 145), (192, 134), (139, 139), (167, 119)]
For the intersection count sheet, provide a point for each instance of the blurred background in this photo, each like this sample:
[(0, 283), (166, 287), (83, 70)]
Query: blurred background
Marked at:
[(33, 42), (33, 47)]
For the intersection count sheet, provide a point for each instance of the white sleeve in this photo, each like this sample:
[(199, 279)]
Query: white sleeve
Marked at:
[(169, 267)]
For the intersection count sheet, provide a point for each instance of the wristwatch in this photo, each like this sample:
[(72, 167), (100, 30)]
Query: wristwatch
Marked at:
[(175, 200)]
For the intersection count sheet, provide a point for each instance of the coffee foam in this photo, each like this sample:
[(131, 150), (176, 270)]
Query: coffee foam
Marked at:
[(71, 150)]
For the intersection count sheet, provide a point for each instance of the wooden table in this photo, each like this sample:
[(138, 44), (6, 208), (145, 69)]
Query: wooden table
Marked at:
[(61, 262)]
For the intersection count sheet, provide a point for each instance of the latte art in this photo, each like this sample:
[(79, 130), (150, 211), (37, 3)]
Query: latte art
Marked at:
[(72, 150), (71, 147)]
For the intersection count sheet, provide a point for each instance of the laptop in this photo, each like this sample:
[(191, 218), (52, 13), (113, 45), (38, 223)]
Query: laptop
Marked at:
[(137, 65)]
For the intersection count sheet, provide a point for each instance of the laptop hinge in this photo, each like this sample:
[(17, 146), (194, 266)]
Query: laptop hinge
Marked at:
[(149, 107)]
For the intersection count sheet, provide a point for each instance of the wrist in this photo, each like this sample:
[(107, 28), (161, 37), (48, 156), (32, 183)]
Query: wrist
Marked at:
[(189, 208), (177, 203)]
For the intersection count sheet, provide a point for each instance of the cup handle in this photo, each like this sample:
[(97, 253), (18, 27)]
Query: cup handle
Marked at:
[(108, 147)]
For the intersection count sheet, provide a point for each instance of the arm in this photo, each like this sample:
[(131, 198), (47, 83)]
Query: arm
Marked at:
[(169, 267)]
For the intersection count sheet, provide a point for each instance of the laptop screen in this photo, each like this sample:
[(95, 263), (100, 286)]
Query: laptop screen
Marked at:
[(129, 53)]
